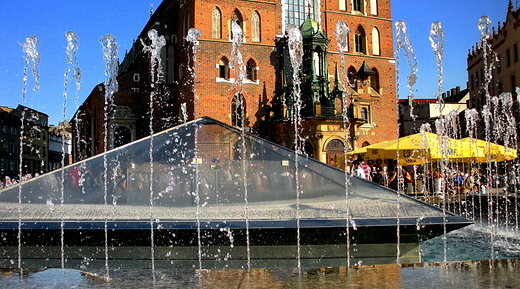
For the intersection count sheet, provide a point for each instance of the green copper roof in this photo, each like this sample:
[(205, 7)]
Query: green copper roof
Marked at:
[(309, 27)]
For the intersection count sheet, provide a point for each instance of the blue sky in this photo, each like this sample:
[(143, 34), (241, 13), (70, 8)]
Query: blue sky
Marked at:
[(90, 20)]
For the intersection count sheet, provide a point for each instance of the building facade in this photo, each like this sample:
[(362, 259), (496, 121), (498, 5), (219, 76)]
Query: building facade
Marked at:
[(492, 67), (32, 125), (199, 78), (427, 111), (9, 143)]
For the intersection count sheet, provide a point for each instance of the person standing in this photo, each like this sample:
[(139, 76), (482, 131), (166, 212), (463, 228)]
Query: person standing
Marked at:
[(366, 168), (357, 170)]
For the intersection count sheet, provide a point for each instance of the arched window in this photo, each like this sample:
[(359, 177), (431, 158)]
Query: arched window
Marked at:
[(122, 136), (342, 5), (352, 76), (376, 48), (364, 113), (373, 7), (216, 23), (251, 70), (238, 108), (360, 40), (185, 26), (374, 80), (237, 17), (255, 27), (181, 72), (359, 5), (223, 68)]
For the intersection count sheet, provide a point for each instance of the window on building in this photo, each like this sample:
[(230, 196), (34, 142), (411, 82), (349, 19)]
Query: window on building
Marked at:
[(365, 114), (297, 11), (360, 40), (170, 63), (499, 64), (508, 57), (515, 52), (476, 79), (373, 7), (255, 27), (122, 136), (375, 42), (342, 5), (181, 72), (251, 70), (374, 80), (216, 23), (352, 76), (185, 26), (237, 17), (238, 108), (223, 68), (359, 5)]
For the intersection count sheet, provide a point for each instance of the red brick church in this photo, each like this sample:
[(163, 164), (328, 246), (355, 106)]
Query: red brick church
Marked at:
[(187, 90)]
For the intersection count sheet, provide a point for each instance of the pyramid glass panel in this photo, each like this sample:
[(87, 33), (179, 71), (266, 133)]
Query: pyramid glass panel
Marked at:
[(205, 170)]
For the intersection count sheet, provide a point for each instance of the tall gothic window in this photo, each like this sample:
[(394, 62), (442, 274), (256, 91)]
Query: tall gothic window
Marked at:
[(352, 76), (255, 27), (237, 17), (238, 106), (216, 23), (374, 80), (373, 7), (223, 68), (342, 5), (358, 5), (251, 70), (376, 49), (360, 40)]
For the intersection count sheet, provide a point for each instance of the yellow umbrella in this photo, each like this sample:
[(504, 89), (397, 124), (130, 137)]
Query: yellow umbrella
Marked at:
[(363, 150), (477, 150), (415, 149)]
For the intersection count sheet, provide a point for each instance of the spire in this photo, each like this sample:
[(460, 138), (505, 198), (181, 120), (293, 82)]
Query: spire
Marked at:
[(510, 6), (336, 76)]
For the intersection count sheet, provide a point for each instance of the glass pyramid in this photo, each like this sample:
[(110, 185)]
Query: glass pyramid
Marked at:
[(208, 171)]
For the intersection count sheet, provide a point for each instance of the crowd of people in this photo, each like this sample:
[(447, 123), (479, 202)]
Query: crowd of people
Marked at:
[(7, 181), (433, 180)]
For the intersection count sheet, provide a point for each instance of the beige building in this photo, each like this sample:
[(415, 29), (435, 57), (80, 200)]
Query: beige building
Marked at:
[(502, 61), (492, 71), (427, 111)]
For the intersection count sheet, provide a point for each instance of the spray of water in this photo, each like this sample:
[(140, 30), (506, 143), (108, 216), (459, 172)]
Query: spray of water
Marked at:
[(238, 67), (72, 65), (296, 54), (403, 43), (110, 55), (437, 44), (193, 37), (31, 47), (156, 72), (341, 32)]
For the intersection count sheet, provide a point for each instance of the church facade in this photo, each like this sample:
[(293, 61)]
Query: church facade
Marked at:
[(199, 78)]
